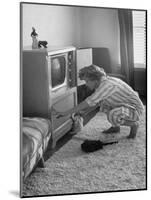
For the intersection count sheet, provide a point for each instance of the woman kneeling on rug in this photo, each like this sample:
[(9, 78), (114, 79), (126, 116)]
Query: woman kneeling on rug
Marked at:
[(117, 99)]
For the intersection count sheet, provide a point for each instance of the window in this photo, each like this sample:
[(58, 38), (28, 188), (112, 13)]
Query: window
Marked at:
[(139, 38)]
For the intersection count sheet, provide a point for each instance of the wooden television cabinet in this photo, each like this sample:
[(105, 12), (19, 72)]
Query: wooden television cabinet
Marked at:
[(41, 92)]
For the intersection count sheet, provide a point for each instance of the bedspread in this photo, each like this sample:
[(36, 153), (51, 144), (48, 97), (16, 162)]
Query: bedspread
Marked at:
[(35, 137)]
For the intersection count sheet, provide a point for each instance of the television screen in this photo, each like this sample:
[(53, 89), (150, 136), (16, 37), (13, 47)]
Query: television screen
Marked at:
[(58, 71)]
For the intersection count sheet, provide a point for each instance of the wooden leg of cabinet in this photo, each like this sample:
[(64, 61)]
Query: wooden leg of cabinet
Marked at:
[(53, 145)]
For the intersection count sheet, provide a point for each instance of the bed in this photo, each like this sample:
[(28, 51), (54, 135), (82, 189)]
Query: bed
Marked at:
[(36, 133)]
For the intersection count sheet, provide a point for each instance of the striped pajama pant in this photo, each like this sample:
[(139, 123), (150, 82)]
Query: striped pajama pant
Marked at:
[(120, 115)]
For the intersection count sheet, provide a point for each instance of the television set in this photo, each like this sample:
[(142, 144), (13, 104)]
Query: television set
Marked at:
[(49, 80)]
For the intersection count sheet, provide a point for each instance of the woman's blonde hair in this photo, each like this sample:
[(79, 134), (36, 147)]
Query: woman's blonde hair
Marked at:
[(92, 72)]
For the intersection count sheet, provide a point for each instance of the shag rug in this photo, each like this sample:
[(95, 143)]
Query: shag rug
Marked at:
[(116, 167)]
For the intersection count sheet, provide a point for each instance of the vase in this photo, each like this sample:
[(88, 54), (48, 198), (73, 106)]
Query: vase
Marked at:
[(34, 42)]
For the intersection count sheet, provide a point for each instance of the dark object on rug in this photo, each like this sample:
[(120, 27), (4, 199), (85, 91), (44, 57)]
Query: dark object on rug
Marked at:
[(94, 145), (42, 43)]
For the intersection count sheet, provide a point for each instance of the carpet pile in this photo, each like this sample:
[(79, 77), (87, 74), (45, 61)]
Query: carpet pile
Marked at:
[(121, 166)]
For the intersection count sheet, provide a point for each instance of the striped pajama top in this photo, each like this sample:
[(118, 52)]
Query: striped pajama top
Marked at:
[(114, 92)]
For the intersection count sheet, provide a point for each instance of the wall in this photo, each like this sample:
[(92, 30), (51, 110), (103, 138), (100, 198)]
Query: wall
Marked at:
[(100, 28), (56, 24), (78, 26)]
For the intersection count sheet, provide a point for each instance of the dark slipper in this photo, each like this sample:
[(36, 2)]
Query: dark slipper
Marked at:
[(91, 145)]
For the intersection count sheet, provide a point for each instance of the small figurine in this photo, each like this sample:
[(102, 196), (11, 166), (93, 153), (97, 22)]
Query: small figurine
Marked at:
[(37, 44), (34, 36)]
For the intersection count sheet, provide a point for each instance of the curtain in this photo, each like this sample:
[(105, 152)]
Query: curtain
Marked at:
[(126, 44)]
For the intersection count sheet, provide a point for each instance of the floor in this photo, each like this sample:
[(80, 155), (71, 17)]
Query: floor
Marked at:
[(116, 167)]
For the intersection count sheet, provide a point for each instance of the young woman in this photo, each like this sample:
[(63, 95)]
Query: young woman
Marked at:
[(115, 98)]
